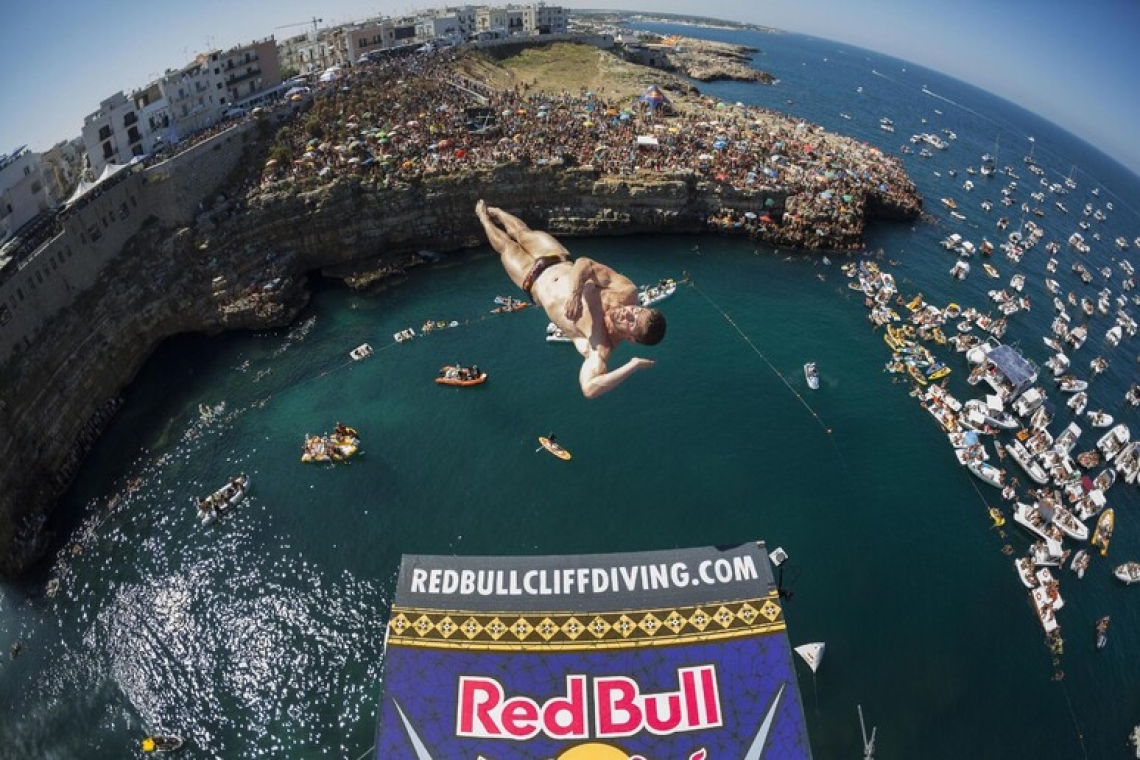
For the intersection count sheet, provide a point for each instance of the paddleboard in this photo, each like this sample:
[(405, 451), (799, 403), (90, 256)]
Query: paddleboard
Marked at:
[(553, 448)]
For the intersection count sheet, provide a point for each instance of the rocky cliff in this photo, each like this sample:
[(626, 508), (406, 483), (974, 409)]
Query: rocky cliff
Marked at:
[(243, 265)]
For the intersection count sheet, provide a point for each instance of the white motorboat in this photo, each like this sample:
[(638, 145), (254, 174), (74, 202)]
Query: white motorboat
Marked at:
[(811, 374), (1027, 402), (210, 507), (1069, 524), (1041, 417), (1060, 466), (1114, 441), (1025, 571), (1127, 463), (1029, 517), (1048, 553), (360, 352), (987, 473), (1044, 609), (1058, 363), (554, 334), (997, 416), (1080, 563), (1026, 461), (1078, 401), (1072, 384), (1067, 439), (653, 294), (1129, 572)]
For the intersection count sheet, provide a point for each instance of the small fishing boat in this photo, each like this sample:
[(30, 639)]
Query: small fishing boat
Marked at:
[(1129, 572), (1072, 384), (160, 743), (652, 294), (553, 447), (343, 444), (1088, 459), (554, 334), (210, 507), (460, 376), (811, 374), (1102, 632), (1080, 563), (507, 304), (1099, 418), (1103, 533), (362, 351)]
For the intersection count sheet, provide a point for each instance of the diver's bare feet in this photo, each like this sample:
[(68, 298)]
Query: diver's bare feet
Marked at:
[(481, 210)]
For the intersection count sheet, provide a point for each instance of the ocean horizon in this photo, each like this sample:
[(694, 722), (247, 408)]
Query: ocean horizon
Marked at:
[(263, 634)]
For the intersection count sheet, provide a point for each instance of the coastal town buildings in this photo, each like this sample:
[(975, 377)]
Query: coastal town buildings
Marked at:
[(178, 104), (24, 192)]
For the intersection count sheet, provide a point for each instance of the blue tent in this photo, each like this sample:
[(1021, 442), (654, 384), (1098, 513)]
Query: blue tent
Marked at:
[(653, 97)]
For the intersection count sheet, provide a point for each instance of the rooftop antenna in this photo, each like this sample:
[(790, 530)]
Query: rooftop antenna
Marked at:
[(868, 744)]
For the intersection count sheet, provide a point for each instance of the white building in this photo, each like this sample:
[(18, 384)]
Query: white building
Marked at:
[(544, 19), (23, 190)]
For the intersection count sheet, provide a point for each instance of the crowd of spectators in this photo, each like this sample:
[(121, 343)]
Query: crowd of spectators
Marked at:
[(398, 120)]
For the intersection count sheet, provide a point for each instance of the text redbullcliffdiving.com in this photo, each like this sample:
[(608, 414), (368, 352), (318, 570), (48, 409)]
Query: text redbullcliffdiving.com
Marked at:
[(581, 580)]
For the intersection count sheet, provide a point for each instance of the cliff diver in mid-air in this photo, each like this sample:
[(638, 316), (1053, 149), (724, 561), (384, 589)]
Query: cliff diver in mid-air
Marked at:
[(592, 304)]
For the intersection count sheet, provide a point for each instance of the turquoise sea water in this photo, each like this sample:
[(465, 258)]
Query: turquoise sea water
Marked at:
[(261, 636)]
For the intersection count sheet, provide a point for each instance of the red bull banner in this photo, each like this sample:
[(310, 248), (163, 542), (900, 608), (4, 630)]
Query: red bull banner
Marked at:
[(640, 656)]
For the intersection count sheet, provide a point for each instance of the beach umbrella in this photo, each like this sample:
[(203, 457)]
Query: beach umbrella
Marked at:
[(749, 215), (720, 145), (769, 202), (846, 197)]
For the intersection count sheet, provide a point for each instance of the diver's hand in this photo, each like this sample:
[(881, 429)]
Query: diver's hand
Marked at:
[(574, 307)]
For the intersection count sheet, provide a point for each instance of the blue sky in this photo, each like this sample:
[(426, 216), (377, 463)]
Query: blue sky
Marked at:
[(1073, 63)]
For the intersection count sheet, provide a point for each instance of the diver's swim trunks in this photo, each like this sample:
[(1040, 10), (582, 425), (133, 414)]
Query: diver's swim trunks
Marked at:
[(540, 265)]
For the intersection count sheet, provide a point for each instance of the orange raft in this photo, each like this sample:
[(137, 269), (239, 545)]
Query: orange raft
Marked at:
[(453, 374)]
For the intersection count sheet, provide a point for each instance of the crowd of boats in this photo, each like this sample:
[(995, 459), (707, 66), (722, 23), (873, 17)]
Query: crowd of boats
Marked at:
[(1068, 485)]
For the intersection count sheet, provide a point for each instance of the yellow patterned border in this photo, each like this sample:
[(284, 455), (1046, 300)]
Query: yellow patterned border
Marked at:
[(544, 631)]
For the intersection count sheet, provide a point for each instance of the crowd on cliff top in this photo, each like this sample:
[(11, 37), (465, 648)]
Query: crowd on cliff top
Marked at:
[(398, 120)]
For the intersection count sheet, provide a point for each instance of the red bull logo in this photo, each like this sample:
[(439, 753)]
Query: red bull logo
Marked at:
[(616, 707)]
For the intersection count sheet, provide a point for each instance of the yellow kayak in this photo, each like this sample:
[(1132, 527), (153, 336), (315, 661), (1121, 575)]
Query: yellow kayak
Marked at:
[(554, 448)]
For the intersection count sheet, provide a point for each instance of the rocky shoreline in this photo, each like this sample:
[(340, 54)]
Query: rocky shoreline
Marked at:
[(707, 61), (244, 262)]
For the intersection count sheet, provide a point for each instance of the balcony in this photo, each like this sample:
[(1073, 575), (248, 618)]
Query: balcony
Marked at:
[(241, 78)]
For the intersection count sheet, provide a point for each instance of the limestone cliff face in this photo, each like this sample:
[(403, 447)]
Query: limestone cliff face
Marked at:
[(243, 265)]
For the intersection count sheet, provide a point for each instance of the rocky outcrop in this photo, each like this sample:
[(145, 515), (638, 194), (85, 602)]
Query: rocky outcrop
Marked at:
[(708, 61), (244, 265)]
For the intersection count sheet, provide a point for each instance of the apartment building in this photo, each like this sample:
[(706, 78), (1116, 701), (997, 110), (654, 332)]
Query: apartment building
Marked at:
[(24, 192)]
